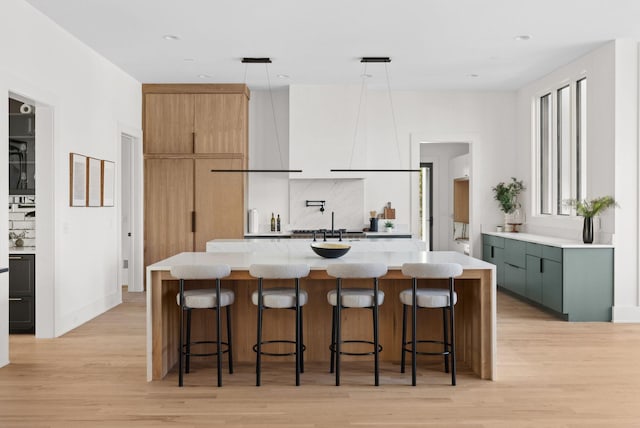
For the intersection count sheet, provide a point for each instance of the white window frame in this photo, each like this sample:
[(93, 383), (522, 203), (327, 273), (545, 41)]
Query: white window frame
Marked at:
[(536, 194)]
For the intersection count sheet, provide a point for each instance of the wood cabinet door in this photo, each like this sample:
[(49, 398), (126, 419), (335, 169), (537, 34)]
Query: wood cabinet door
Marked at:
[(221, 123), (219, 201), (168, 196), (168, 123)]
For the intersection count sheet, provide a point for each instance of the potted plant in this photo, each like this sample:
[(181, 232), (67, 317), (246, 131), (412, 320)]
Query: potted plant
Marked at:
[(388, 226), (588, 210), (507, 196)]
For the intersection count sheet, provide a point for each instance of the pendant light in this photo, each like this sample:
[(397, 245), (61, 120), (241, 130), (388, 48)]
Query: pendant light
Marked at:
[(366, 60), (266, 62)]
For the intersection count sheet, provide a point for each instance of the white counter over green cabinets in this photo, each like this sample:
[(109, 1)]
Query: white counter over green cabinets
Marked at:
[(572, 279)]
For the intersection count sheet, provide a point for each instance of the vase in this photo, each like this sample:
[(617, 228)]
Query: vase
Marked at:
[(587, 230)]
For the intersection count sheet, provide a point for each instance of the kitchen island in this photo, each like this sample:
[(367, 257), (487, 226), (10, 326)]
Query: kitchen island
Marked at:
[(475, 310)]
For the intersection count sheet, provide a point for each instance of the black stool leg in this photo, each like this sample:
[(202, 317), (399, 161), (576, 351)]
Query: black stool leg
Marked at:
[(259, 342), (338, 332), (414, 310), (187, 365), (228, 310), (301, 340), (333, 339), (404, 337), (452, 345), (375, 334), (180, 349), (218, 334), (298, 348), (445, 340)]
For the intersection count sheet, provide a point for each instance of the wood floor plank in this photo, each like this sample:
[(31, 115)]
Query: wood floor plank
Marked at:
[(551, 374)]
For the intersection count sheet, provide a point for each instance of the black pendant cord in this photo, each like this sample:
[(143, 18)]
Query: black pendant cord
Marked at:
[(266, 62), (355, 131)]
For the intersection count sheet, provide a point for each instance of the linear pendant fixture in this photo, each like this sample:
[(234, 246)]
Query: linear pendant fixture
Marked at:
[(264, 61), (366, 60)]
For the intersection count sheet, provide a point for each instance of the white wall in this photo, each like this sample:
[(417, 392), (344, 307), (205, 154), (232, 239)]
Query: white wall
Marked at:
[(612, 158), (268, 192), (441, 154), (88, 99), (322, 127)]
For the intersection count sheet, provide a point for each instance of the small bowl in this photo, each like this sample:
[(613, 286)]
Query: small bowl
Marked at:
[(330, 250)]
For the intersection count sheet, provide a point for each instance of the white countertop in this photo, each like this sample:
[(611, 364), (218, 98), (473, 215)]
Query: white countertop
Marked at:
[(22, 250), (303, 245), (546, 240), (393, 259)]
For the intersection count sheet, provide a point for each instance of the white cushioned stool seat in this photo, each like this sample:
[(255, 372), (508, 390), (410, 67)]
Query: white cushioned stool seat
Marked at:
[(280, 298), (357, 270), (432, 270), (428, 297), (282, 271), (355, 297), (200, 271), (206, 298)]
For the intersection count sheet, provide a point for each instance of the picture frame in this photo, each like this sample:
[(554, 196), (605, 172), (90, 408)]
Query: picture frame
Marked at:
[(77, 180), (94, 182), (107, 196)]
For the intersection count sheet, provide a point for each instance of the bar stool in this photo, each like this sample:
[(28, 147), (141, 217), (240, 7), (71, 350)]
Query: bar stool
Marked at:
[(354, 298), (203, 299), (280, 298), (430, 298)]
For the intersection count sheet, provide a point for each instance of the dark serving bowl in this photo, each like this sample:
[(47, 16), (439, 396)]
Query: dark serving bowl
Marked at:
[(330, 250)]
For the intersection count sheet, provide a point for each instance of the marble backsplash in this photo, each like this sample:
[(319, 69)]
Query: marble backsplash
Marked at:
[(345, 197)]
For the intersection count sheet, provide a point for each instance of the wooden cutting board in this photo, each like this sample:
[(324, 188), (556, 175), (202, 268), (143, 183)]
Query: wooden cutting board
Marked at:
[(389, 213)]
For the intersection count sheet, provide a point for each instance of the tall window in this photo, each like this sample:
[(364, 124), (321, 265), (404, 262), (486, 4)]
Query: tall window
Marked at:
[(561, 142)]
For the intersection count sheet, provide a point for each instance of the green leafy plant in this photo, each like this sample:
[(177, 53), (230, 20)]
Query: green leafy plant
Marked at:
[(388, 224), (507, 194), (593, 207)]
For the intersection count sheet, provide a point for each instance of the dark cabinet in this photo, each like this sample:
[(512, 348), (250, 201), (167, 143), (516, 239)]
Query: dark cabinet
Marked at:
[(22, 293)]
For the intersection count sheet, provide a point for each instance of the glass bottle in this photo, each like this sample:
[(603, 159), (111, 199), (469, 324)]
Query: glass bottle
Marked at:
[(273, 223), (278, 223)]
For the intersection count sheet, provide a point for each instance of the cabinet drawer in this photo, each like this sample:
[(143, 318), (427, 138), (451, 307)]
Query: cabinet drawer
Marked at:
[(22, 315), (494, 241), (534, 249), (515, 252), (22, 271), (552, 253)]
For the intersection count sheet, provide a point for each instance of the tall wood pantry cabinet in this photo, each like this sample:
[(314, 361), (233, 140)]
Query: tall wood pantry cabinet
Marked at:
[(190, 129)]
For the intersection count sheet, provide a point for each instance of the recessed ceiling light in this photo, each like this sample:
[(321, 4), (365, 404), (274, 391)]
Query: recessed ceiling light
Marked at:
[(283, 76), (366, 76), (188, 60), (204, 76), (170, 37), (523, 37), (474, 75)]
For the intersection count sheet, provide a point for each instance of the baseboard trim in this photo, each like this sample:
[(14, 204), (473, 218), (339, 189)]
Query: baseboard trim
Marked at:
[(626, 314), (87, 313)]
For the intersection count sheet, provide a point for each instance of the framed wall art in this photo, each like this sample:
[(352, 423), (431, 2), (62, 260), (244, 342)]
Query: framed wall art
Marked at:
[(94, 182), (108, 183), (77, 180)]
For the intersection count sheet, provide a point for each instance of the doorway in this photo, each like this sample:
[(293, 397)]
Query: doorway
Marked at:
[(426, 203), (131, 250)]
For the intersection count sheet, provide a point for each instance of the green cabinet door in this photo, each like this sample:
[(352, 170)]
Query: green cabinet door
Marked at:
[(515, 279), (552, 284), (533, 289), (495, 255)]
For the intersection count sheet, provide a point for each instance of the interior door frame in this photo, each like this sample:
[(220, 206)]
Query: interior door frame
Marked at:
[(135, 269), (429, 167)]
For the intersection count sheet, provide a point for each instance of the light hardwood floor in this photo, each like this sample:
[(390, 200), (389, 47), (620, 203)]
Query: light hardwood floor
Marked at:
[(551, 374)]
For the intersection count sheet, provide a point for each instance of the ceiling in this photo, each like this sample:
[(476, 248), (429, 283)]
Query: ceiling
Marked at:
[(434, 44)]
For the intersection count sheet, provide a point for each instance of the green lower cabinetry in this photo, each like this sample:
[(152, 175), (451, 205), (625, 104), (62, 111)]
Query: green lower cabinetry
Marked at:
[(576, 283), (515, 278), (552, 285), (533, 289)]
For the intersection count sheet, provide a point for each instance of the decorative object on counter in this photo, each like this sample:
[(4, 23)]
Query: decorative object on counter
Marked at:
[(588, 210), (389, 212), (273, 223), (499, 228), (373, 224), (330, 250), (388, 226), (507, 197), (18, 237), (278, 223), (364, 76), (254, 220)]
